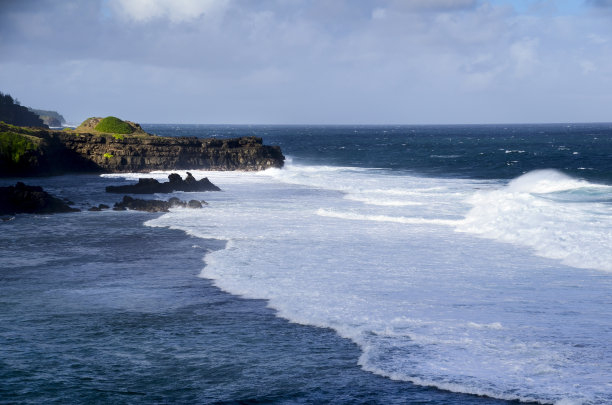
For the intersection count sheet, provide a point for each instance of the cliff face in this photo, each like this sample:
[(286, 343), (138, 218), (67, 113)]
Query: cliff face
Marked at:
[(68, 151), (49, 118), (136, 154)]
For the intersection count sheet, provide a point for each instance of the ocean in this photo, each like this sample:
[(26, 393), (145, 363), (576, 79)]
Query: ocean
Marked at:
[(465, 264)]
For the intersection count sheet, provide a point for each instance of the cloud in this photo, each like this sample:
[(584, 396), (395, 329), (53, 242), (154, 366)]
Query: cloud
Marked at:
[(524, 56), (434, 5), (174, 10), (600, 3), (305, 61)]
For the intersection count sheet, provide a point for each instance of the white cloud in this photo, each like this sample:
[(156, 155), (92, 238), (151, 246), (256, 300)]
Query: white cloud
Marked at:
[(524, 56), (587, 67), (313, 61), (379, 14), (174, 10), (438, 5)]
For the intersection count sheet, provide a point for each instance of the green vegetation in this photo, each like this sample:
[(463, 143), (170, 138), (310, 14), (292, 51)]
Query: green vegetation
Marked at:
[(14, 146), (118, 137), (114, 125), (108, 155)]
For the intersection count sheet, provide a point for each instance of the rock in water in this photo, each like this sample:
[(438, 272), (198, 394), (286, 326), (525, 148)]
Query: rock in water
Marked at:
[(138, 204), (22, 198), (194, 204), (175, 183)]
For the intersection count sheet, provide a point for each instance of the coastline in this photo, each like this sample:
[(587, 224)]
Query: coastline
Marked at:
[(368, 217), (122, 308), (26, 152)]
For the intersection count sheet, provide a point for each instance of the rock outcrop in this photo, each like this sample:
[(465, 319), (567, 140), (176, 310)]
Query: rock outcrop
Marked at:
[(54, 152), (175, 183), (153, 205), (22, 198)]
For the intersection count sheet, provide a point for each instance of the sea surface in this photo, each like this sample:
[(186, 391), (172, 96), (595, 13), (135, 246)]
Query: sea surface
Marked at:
[(382, 264)]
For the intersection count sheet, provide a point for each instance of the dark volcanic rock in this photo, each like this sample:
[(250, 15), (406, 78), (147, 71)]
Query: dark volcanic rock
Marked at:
[(175, 183), (100, 207), (153, 205), (142, 205), (194, 204), (58, 152), (22, 198)]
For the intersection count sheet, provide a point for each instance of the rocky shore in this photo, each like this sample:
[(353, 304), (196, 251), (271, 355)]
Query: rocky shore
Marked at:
[(174, 183), (36, 152), (26, 199)]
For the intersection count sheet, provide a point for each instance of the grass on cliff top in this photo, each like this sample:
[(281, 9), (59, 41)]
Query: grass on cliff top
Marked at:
[(114, 125), (13, 146), (4, 127)]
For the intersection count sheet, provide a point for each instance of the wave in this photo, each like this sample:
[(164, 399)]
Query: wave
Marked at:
[(533, 210), (424, 298)]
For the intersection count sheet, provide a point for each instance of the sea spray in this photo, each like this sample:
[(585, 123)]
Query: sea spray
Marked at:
[(558, 216)]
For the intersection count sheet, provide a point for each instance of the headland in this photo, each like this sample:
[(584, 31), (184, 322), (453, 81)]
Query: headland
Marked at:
[(111, 145)]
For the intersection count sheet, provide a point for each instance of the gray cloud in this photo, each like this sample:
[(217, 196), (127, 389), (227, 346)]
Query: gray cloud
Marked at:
[(600, 3), (305, 61)]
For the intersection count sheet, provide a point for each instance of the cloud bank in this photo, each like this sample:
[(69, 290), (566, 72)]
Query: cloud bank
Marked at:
[(310, 61), (176, 11)]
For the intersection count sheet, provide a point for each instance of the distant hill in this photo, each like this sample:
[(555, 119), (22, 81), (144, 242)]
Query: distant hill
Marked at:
[(50, 118), (13, 113)]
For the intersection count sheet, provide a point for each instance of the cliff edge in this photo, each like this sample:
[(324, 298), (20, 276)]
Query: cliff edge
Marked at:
[(35, 152)]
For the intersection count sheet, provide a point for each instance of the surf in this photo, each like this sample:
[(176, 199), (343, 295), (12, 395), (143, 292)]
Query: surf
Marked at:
[(558, 216), (428, 295)]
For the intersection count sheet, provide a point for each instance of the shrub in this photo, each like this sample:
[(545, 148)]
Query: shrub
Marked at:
[(114, 125), (108, 155), (118, 137), (14, 146)]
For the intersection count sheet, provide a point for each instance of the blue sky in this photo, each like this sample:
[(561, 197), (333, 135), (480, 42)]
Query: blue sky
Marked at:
[(311, 61)]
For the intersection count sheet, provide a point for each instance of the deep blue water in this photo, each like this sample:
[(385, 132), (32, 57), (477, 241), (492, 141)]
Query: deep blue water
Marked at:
[(97, 308), (468, 151)]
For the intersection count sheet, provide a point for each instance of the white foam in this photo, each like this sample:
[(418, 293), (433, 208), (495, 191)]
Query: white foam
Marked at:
[(425, 303), (525, 212), (385, 218), (546, 181)]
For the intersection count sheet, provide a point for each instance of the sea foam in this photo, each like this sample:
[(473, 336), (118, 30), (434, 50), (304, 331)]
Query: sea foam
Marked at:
[(425, 303), (533, 211)]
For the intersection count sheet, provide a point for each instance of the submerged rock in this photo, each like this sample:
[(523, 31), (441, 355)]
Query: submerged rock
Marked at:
[(22, 198), (175, 183)]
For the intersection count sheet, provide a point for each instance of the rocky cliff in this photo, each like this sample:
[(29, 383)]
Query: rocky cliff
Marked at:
[(49, 118), (28, 151)]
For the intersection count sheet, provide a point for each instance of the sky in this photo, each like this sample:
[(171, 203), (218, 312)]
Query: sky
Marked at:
[(311, 61)]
